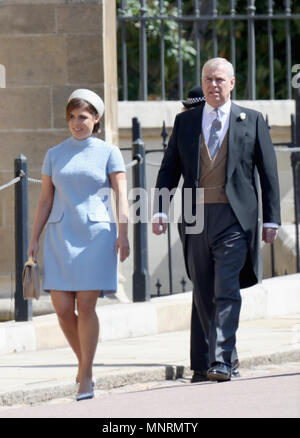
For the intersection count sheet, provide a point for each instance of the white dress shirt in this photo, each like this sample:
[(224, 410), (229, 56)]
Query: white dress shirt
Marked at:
[(209, 115)]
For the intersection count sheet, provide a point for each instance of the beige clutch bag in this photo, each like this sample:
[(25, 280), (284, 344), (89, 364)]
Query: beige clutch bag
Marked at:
[(31, 280)]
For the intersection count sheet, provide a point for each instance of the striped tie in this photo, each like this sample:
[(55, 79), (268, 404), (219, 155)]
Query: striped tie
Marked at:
[(214, 137)]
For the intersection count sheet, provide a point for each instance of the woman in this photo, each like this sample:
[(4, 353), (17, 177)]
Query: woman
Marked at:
[(81, 241)]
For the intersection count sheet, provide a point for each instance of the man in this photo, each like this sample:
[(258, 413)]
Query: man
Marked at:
[(217, 147)]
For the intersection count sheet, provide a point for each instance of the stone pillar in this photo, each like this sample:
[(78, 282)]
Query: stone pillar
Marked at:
[(49, 48), (109, 68)]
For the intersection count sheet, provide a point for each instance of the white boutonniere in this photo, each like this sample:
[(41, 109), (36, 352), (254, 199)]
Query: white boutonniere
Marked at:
[(243, 116)]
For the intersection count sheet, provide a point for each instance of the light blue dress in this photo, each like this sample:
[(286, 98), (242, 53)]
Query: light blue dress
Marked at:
[(79, 245)]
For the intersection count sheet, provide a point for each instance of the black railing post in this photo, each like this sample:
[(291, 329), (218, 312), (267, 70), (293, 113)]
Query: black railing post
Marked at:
[(23, 309), (141, 279), (143, 53), (251, 50), (295, 162), (123, 7)]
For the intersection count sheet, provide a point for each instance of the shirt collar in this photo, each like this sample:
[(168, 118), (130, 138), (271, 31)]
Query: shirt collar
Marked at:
[(224, 109)]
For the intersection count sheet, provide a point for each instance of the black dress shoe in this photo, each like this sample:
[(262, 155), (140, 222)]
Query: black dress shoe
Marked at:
[(234, 369), (199, 376), (235, 374), (219, 372)]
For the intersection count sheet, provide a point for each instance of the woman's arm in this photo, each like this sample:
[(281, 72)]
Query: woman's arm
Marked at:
[(119, 185), (42, 213)]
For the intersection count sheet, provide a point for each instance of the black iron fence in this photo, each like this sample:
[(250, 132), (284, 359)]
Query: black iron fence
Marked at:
[(163, 44), (141, 279)]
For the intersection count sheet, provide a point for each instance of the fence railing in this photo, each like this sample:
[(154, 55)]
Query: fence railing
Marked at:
[(208, 29)]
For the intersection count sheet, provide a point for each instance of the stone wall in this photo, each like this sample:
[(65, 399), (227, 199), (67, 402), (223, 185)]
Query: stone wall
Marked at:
[(48, 49)]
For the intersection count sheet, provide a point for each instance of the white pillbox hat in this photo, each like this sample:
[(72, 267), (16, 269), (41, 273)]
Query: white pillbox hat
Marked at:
[(91, 97)]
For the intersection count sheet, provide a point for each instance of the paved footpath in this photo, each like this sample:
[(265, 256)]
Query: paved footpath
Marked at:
[(35, 377), (265, 391)]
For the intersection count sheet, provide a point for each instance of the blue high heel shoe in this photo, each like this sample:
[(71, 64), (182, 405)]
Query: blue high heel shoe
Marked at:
[(86, 395)]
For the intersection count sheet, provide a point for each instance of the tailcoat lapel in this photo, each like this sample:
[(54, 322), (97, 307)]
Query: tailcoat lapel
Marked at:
[(236, 138), (195, 136)]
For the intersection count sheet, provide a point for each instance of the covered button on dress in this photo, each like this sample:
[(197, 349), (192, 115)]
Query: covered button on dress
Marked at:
[(80, 237)]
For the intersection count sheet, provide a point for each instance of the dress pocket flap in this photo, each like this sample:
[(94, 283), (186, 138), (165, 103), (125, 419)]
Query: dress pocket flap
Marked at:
[(55, 216), (99, 216)]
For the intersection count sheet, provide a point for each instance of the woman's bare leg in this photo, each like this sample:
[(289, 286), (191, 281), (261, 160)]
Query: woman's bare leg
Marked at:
[(88, 333), (64, 305)]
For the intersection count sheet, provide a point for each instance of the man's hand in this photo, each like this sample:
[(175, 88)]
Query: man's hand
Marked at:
[(159, 225), (269, 234)]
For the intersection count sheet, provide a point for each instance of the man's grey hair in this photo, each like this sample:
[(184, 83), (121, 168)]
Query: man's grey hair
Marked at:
[(217, 62)]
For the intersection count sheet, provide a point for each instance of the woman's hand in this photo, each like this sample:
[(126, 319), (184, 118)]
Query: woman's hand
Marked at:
[(33, 250), (119, 185), (122, 247)]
